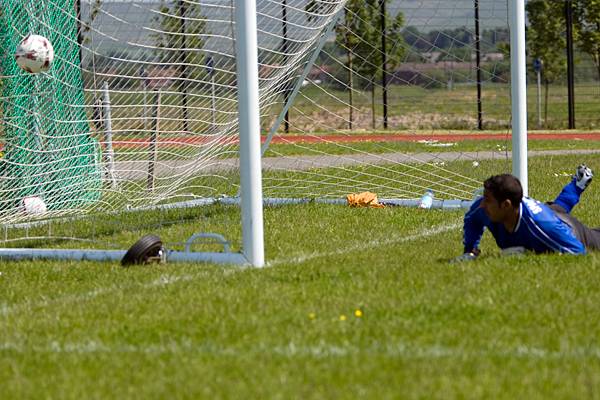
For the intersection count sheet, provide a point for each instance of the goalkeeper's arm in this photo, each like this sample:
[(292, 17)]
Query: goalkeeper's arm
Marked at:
[(473, 227)]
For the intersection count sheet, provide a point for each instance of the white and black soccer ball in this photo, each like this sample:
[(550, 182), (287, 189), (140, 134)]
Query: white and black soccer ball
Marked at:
[(33, 205), (34, 54)]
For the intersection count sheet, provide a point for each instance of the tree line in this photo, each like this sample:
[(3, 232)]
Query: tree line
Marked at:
[(547, 40), (359, 38)]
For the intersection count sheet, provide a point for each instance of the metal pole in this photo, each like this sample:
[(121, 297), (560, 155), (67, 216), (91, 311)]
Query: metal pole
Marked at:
[(116, 255), (570, 62), (213, 101), (518, 91), (478, 64), (284, 49), (153, 150), (350, 70), (539, 99), (384, 64), (182, 65), (210, 67), (144, 76), (249, 126), (109, 154)]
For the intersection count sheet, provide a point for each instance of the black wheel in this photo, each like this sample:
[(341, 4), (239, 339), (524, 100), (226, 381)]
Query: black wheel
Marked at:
[(147, 247)]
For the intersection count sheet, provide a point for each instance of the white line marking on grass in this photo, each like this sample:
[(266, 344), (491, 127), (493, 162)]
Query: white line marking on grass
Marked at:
[(292, 350), (367, 246)]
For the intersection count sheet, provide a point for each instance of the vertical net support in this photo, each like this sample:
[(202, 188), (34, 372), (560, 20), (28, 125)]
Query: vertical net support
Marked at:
[(48, 151)]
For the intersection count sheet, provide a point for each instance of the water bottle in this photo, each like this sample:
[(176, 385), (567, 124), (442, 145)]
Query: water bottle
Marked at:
[(427, 199)]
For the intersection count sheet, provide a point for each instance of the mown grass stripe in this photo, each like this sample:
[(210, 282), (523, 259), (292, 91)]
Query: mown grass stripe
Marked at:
[(367, 246), (292, 350)]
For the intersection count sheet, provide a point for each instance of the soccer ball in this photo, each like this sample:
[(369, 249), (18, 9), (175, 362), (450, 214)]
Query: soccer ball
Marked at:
[(34, 54), (33, 205)]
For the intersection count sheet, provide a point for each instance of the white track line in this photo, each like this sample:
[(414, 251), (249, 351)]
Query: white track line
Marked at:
[(165, 280)]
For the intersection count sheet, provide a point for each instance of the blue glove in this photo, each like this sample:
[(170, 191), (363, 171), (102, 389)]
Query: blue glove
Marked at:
[(463, 258)]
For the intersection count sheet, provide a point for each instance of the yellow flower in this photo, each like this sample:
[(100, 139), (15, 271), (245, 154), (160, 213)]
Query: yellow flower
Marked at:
[(358, 313), (312, 315), (342, 317)]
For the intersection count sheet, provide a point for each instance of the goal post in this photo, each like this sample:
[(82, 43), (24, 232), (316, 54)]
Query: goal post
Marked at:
[(249, 125), (519, 91)]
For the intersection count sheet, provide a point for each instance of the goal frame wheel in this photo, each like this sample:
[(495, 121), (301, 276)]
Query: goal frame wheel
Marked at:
[(147, 248)]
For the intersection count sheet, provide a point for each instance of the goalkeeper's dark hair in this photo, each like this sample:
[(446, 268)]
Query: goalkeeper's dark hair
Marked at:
[(505, 186)]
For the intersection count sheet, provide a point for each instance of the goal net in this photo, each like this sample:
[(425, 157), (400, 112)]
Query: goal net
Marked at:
[(397, 116), (139, 110), (47, 147)]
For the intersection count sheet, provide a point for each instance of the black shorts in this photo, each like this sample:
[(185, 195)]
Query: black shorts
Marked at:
[(590, 237)]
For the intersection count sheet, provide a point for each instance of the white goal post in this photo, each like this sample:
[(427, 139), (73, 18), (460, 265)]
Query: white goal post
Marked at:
[(249, 122), (519, 91)]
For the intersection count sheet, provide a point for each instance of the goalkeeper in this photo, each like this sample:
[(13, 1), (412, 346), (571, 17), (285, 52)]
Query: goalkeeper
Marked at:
[(521, 222)]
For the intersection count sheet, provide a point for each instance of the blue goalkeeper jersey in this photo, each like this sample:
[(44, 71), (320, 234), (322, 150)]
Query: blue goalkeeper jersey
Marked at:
[(538, 229)]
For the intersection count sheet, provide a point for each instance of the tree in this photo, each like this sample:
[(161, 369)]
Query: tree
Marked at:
[(492, 38), (360, 33), (547, 41), (84, 26), (347, 39), (319, 8), (415, 39), (179, 40), (587, 28)]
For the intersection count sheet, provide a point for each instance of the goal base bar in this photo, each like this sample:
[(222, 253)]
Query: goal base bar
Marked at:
[(116, 255), (440, 204)]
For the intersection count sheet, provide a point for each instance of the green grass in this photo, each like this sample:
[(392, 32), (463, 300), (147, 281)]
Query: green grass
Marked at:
[(414, 106), (409, 107), (500, 144), (521, 327)]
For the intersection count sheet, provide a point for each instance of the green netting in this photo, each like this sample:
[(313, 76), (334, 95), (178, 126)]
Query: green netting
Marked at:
[(48, 151)]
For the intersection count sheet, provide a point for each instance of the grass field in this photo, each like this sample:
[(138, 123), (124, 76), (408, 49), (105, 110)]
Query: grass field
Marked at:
[(501, 144), (355, 303), (414, 107), (409, 108)]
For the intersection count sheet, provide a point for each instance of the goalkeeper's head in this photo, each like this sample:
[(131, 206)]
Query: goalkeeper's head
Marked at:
[(501, 197)]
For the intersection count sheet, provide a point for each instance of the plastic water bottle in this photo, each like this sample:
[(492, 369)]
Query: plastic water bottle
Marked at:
[(427, 199)]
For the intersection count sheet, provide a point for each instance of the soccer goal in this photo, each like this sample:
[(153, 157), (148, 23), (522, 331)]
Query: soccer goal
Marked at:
[(155, 105)]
